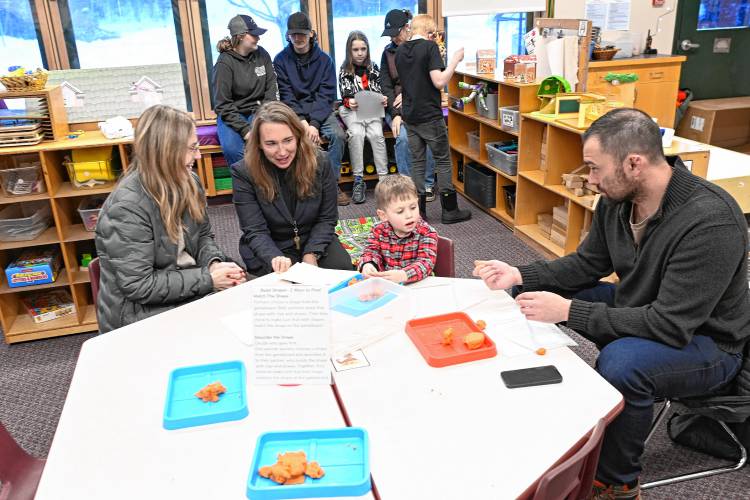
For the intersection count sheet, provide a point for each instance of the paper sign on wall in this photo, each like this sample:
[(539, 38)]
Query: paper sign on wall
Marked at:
[(291, 335)]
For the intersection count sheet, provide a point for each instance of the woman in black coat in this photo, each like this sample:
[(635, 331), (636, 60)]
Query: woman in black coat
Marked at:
[(285, 196)]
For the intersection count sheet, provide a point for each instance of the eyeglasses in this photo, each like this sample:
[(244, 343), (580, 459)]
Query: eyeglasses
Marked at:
[(195, 148)]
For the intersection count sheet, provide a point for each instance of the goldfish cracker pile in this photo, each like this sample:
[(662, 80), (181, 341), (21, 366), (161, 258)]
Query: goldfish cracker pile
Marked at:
[(291, 468), (210, 393)]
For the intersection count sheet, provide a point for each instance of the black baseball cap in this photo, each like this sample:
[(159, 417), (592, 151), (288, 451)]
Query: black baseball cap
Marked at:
[(241, 24), (395, 20), (298, 23)]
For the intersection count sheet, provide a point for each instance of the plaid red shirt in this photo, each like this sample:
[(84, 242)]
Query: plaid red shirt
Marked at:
[(414, 253)]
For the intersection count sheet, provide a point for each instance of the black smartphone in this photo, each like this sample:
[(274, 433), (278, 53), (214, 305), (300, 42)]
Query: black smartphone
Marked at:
[(527, 377)]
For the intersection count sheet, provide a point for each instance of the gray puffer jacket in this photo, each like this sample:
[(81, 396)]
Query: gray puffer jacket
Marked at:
[(139, 273)]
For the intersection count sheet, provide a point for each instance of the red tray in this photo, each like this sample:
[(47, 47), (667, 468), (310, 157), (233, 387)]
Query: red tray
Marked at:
[(427, 335)]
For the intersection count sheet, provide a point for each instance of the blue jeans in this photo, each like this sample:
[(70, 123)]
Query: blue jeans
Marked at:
[(403, 155), (333, 132), (642, 370), (232, 145)]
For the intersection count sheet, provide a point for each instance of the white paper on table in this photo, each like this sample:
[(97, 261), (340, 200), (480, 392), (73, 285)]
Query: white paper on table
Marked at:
[(516, 335), (556, 55), (542, 59), (571, 60), (369, 105), (433, 301), (307, 274), (291, 335), (240, 325)]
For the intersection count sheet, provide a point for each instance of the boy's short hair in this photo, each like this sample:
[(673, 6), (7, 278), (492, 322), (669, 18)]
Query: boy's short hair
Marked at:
[(423, 24), (394, 187)]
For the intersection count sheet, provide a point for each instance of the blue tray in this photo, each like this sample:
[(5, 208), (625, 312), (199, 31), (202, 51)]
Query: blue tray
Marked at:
[(184, 409), (344, 455), (355, 307)]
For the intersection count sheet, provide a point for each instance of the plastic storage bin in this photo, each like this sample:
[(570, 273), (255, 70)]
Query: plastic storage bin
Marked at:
[(24, 221), (504, 156), (24, 180), (491, 101), (89, 209), (382, 305), (479, 184), (509, 192), (92, 167), (510, 118), (472, 138)]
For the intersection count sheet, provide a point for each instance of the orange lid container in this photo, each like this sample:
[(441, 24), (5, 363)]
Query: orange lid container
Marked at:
[(427, 335)]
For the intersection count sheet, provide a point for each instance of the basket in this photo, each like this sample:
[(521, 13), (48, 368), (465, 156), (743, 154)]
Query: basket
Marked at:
[(34, 81), (603, 54)]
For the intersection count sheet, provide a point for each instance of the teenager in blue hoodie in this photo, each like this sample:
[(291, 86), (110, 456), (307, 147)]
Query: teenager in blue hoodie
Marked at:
[(307, 83)]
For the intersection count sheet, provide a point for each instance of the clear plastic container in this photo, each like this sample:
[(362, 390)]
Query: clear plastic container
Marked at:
[(472, 138), (367, 311), (23, 180), (507, 162), (510, 118), (25, 221), (89, 209)]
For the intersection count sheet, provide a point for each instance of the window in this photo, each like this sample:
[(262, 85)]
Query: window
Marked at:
[(19, 35), (502, 32), (367, 16), (268, 14), (723, 14)]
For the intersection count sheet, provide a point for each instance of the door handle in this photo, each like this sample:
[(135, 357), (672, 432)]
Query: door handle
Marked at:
[(687, 45)]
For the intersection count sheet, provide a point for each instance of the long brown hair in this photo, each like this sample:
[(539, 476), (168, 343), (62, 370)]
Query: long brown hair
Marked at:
[(229, 43), (305, 164), (348, 66), (161, 138)]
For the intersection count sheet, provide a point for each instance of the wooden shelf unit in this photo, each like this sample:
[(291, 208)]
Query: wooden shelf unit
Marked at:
[(510, 93), (66, 232), (53, 117)]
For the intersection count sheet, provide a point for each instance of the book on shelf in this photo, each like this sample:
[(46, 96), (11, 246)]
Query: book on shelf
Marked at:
[(48, 305)]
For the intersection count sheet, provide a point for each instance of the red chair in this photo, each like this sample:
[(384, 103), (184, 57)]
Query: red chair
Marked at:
[(574, 478), (19, 471), (94, 275), (445, 265)]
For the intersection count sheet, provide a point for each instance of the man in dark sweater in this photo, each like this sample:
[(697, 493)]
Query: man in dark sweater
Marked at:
[(307, 83), (677, 322)]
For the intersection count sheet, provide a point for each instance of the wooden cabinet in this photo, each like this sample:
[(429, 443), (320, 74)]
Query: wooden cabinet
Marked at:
[(66, 232), (657, 86)]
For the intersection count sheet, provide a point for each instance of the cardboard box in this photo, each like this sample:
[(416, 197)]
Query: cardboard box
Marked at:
[(520, 68), (720, 122), (48, 305), (34, 267), (486, 62)]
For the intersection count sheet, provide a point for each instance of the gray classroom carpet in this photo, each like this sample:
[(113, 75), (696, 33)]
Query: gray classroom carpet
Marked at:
[(34, 376)]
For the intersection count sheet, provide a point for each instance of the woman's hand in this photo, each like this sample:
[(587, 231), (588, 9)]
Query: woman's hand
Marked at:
[(397, 101), (369, 269), (385, 101), (310, 258), (226, 275), (281, 264), (313, 134), (395, 275), (353, 103)]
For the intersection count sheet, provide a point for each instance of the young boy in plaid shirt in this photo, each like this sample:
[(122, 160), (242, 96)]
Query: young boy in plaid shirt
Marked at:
[(401, 247)]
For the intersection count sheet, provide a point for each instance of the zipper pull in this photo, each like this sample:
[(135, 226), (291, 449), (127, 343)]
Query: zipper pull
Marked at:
[(296, 237)]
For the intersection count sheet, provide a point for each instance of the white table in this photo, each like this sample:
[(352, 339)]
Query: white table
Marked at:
[(458, 432), (110, 443)]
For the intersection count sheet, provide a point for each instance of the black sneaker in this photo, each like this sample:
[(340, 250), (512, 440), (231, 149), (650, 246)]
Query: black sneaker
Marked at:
[(358, 192), (430, 192)]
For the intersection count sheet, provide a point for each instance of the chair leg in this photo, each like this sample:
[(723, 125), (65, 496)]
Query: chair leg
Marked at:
[(708, 472), (659, 418)]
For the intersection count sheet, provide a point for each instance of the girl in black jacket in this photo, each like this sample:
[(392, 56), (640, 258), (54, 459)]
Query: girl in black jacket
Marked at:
[(359, 73)]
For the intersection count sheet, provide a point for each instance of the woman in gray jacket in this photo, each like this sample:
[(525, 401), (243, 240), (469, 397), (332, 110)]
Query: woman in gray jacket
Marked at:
[(153, 238)]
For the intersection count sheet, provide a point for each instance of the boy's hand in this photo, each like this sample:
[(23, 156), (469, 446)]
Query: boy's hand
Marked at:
[(353, 103), (369, 270), (395, 275)]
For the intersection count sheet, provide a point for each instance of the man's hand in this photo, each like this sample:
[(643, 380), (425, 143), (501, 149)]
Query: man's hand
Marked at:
[(458, 55), (281, 264), (497, 275), (397, 102), (547, 307), (310, 258), (369, 269), (395, 275), (396, 126), (353, 103)]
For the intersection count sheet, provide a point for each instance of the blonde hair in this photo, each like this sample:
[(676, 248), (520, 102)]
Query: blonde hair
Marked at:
[(304, 167), (161, 138), (229, 43), (423, 24), (393, 188)]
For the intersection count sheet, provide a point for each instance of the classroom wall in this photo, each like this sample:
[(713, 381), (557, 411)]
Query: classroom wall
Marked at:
[(643, 17)]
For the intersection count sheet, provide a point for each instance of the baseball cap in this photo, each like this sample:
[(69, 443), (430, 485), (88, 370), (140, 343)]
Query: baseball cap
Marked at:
[(395, 20), (241, 24), (298, 23)]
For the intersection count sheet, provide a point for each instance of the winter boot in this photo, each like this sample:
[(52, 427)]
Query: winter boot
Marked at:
[(423, 206), (451, 213)]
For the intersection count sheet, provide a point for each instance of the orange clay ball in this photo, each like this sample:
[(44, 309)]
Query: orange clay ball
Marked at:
[(541, 351), (447, 336), (474, 340), (481, 324)]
